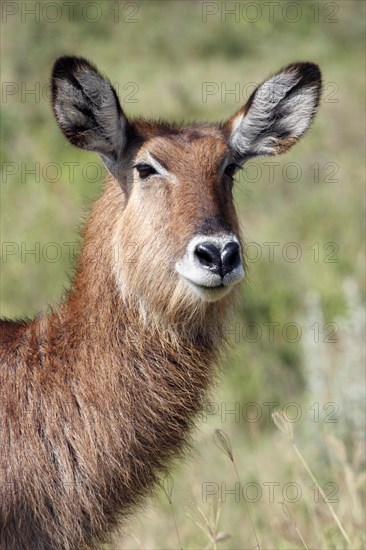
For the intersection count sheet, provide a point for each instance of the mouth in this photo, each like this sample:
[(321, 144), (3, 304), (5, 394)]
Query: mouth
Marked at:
[(211, 293)]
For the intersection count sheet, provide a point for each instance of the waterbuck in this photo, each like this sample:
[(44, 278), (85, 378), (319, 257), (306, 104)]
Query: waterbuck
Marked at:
[(98, 397)]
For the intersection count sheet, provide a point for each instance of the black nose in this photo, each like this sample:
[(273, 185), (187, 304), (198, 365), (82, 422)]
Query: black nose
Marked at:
[(216, 259)]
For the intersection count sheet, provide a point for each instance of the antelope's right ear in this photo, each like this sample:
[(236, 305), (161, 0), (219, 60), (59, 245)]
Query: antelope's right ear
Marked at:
[(87, 109)]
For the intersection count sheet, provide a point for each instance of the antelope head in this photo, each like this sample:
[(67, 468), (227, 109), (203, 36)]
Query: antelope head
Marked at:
[(176, 181)]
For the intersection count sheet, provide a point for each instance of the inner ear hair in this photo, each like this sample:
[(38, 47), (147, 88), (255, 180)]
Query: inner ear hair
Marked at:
[(278, 112), (87, 108)]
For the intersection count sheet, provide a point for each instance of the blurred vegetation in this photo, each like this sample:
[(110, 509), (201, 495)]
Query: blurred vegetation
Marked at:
[(161, 54)]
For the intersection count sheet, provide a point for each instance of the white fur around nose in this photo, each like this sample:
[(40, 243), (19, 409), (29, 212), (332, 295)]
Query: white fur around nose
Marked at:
[(207, 285)]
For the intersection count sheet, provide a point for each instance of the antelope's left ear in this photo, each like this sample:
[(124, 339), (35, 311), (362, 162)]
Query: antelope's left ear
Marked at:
[(277, 113)]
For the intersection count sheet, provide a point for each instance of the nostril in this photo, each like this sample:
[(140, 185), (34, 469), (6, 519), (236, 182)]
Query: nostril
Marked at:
[(209, 256), (230, 256), (219, 259)]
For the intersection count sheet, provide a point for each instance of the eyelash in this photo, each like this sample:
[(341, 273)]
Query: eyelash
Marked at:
[(145, 170)]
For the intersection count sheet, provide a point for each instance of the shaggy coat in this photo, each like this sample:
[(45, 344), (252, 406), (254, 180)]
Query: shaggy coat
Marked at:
[(98, 397)]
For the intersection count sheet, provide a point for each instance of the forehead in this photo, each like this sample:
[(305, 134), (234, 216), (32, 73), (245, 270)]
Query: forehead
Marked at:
[(193, 143)]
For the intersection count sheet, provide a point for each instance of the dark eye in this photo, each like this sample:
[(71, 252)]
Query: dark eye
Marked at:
[(145, 170), (231, 169)]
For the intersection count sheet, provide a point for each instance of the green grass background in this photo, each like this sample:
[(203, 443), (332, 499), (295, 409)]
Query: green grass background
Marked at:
[(164, 56)]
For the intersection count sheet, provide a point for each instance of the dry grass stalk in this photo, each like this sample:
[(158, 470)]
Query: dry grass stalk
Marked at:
[(286, 428)]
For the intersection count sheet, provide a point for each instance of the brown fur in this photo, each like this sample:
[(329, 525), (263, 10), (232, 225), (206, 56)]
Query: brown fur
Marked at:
[(98, 397)]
